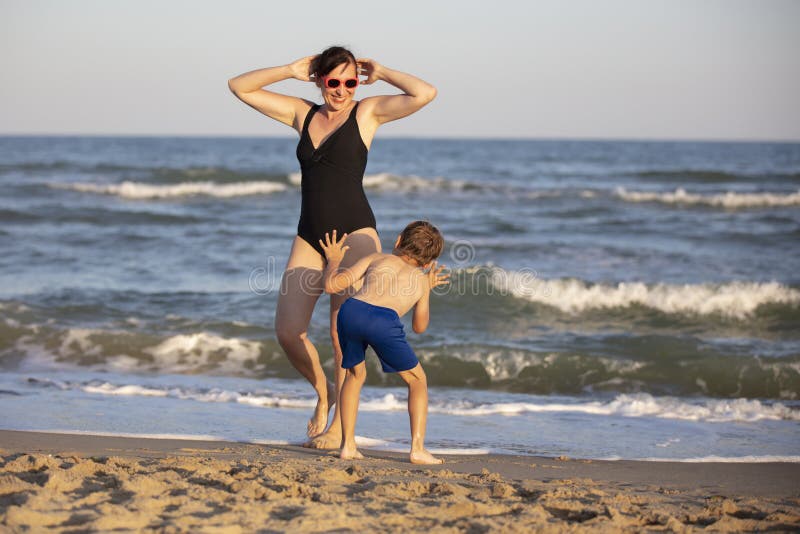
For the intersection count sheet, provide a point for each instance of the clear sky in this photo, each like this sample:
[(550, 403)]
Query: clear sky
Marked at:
[(632, 69)]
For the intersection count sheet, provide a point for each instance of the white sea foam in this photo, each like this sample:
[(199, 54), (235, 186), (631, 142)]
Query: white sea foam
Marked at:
[(733, 299), (433, 450), (460, 452), (187, 437), (363, 441), (129, 390), (374, 444), (730, 199), (625, 405), (143, 191), (640, 405), (191, 352), (181, 353), (722, 459), (385, 181), (268, 401), (184, 353), (76, 341), (270, 442), (260, 399)]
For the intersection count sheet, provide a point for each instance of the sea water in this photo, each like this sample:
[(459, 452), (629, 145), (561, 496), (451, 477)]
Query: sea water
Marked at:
[(607, 299)]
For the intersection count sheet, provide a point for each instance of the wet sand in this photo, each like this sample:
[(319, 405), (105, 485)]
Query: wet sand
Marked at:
[(82, 483)]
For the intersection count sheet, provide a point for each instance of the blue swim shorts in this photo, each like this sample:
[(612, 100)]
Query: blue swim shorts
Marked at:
[(360, 324)]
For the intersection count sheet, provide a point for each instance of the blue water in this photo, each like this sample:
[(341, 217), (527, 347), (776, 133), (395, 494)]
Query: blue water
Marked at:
[(609, 299)]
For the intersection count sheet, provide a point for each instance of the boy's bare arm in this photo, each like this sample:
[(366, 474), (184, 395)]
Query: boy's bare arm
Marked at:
[(337, 281), (421, 317), (431, 279)]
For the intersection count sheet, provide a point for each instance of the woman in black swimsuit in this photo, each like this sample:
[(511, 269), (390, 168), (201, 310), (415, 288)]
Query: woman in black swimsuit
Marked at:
[(334, 141)]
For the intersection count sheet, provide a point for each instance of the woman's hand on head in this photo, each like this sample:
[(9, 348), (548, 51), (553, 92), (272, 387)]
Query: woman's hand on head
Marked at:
[(301, 69), (369, 68)]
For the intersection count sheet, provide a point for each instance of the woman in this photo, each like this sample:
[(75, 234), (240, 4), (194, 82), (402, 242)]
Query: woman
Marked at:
[(334, 141)]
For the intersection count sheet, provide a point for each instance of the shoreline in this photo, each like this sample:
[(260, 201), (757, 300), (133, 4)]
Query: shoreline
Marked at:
[(762, 478), (64, 481)]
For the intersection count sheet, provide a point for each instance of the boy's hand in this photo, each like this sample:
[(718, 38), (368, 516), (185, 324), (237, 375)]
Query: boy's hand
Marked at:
[(334, 250), (435, 276)]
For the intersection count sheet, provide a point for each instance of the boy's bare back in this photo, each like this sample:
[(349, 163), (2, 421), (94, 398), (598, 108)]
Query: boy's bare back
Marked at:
[(391, 282)]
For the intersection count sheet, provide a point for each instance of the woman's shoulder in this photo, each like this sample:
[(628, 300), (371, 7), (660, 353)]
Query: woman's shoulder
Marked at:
[(306, 107), (366, 104)]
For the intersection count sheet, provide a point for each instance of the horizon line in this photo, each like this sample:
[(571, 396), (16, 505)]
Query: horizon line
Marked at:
[(418, 137)]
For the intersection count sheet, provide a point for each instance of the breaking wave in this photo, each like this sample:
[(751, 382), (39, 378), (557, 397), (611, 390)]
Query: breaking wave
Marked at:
[(728, 200), (389, 182), (145, 191), (651, 365), (738, 300)]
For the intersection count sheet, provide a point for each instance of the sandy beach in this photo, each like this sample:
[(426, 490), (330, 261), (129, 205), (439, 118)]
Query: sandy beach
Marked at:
[(83, 483)]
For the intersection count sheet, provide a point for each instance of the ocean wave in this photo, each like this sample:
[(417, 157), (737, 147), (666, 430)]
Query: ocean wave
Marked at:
[(196, 351), (34, 166), (654, 364), (124, 351), (728, 200), (145, 191), (389, 182), (738, 300), (644, 405), (624, 405), (715, 176)]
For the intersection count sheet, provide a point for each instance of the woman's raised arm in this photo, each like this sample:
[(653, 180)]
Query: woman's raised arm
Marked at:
[(417, 93), (248, 88)]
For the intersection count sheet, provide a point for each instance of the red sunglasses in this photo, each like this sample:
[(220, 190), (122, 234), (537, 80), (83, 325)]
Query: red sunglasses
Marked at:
[(333, 83)]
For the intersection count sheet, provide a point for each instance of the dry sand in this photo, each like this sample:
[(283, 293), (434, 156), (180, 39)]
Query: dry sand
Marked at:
[(78, 483)]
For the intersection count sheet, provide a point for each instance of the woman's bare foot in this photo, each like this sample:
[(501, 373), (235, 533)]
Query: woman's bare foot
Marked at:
[(328, 440), (318, 422), (350, 454), (424, 457)]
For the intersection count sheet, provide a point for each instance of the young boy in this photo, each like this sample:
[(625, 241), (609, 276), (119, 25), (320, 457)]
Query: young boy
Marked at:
[(393, 284)]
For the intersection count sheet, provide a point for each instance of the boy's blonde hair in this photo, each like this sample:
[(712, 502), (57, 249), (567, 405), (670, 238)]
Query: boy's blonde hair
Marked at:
[(421, 241)]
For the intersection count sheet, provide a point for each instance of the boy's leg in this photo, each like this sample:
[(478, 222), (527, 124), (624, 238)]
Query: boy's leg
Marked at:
[(348, 407), (418, 414)]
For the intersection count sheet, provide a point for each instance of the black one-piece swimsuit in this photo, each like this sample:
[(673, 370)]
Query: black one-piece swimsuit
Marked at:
[(332, 184)]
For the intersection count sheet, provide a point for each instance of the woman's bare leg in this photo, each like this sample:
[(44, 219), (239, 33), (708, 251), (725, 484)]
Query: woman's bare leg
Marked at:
[(418, 414), (362, 243), (348, 408), (301, 287)]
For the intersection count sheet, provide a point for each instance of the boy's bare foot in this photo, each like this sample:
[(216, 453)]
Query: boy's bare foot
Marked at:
[(351, 454), (318, 422), (425, 458)]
